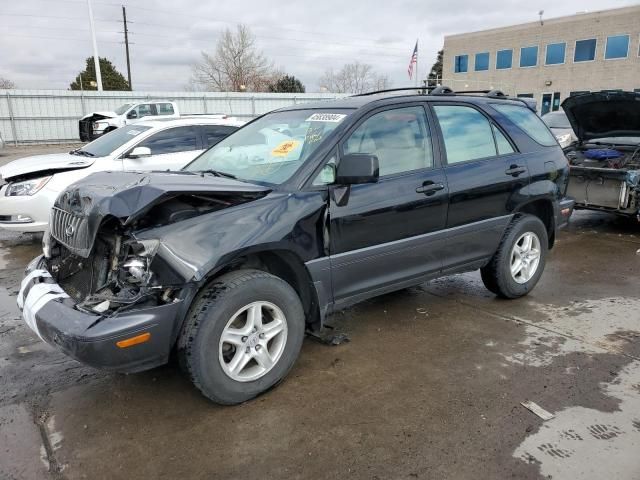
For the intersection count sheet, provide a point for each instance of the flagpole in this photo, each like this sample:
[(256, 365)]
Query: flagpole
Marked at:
[(417, 55)]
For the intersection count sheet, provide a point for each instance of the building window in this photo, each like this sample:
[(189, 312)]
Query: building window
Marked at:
[(504, 59), (555, 53), (617, 47), (529, 56), (482, 62), (461, 63), (585, 50)]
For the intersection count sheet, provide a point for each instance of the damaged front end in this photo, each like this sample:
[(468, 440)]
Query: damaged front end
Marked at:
[(86, 124), (102, 283)]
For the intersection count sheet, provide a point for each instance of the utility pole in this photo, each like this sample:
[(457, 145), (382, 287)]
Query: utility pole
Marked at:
[(96, 58), (126, 44)]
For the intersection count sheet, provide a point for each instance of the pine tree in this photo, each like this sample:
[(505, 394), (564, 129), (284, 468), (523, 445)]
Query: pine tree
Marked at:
[(435, 75), (111, 78), (287, 84)]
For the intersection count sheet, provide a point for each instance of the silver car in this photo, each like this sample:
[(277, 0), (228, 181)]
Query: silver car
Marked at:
[(559, 125)]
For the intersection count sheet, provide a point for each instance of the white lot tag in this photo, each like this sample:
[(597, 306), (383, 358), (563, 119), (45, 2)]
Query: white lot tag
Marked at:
[(326, 117), (537, 409), (134, 132)]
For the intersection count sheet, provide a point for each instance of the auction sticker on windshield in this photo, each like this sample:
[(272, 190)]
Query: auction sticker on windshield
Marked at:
[(285, 148), (326, 117), (134, 132)]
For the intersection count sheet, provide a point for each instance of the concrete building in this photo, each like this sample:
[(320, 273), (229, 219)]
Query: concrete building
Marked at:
[(549, 60)]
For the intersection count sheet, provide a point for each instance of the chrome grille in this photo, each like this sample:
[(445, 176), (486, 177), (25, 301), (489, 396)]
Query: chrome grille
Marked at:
[(71, 231)]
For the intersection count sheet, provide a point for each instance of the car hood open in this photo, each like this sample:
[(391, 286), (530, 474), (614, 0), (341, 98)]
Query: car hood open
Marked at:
[(43, 165), (604, 114)]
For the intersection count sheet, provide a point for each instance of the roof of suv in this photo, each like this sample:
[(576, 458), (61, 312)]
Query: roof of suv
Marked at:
[(191, 120), (387, 97)]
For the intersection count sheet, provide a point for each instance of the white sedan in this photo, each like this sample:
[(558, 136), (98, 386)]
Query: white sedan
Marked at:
[(31, 184)]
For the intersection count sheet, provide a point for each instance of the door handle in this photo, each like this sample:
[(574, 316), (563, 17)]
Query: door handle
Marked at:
[(515, 170), (430, 188)]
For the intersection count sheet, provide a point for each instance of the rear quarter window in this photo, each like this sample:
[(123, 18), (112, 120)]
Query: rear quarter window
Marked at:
[(528, 121)]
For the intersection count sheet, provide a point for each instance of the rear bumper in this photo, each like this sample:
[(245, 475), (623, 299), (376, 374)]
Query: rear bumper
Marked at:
[(90, 338)]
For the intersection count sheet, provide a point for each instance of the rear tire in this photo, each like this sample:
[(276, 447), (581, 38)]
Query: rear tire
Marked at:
[(517, 265), (242, 336)]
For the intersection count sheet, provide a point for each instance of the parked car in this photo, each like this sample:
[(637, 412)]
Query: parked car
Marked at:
[(605, 162), (559, 125), (302, 212), (94, 124), (32, 184)]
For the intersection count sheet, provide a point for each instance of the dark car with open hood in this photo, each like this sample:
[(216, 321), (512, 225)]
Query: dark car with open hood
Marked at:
[(605, 161), (302, 212)]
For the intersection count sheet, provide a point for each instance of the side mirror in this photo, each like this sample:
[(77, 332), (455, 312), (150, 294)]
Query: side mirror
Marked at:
[(356, 168), (132, 114), (139, 152)]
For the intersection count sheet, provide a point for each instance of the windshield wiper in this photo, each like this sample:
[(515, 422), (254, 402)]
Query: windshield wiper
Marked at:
[(218, 173), (83, 153)]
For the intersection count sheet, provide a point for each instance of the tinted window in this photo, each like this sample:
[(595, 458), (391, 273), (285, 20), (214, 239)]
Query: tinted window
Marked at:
[(504, 59), (214, 133), (555, 53), (106, 144), (172, 140), (527, 121), (165, 109), (529, 56), (482, 61), (503, 145), (617, 47), (461, 63), (585, 50), (467, 133), (399, 138)]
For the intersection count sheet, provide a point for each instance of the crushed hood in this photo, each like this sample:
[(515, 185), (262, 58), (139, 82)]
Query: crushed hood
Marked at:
[(604, 114), (127, 195), (102, 114), (29, 166)]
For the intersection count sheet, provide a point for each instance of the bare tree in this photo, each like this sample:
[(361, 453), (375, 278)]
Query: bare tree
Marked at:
[(6, 84), (235, 66), (354, 78)]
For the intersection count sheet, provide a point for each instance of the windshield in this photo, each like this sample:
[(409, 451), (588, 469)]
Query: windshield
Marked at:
[(109, 142), (556, 120), (123, 108), (272, 148)]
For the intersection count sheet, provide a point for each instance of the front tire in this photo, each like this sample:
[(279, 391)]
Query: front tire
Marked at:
[(242, 336), (517, 265)]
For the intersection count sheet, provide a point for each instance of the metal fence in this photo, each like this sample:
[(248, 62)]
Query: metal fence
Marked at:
[(51, 116)]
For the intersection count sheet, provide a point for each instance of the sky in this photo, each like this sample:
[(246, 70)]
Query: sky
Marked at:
[(44, 43)]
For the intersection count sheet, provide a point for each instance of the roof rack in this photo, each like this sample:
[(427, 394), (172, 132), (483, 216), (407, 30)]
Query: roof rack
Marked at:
[(444, 90), (375, 92)]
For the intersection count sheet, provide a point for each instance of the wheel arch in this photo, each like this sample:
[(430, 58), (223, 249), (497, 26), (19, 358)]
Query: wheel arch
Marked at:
[(282, 263), (543, 209)]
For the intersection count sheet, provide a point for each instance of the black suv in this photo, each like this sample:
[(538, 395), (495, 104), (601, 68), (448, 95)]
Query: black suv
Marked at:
[(304, 211)]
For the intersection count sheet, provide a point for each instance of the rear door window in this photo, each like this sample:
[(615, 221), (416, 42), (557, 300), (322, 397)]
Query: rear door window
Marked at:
[(172, 140), (165, 109), (466, 132)]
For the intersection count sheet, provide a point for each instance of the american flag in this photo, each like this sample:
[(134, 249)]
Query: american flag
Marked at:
[(413, 61)]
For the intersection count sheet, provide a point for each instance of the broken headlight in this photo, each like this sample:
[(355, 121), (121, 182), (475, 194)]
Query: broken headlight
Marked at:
[(135, 268)]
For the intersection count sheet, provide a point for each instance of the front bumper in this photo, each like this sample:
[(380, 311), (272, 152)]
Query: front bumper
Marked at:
[(90, 338)]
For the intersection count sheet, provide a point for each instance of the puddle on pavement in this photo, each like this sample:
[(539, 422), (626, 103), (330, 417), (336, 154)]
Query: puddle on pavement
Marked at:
[(566, 446), (590, 326), (17, 255)]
